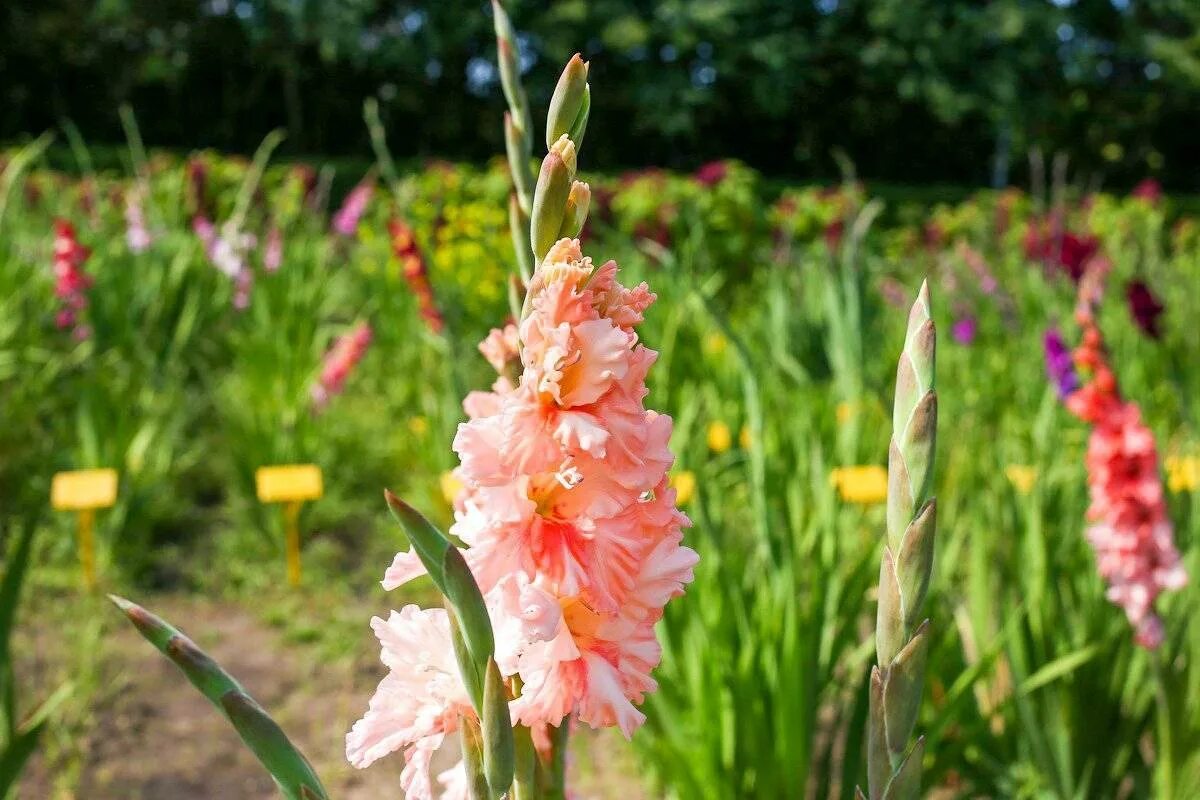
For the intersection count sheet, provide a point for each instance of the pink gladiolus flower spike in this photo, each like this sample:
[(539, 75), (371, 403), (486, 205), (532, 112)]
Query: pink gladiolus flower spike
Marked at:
[(571, 527)]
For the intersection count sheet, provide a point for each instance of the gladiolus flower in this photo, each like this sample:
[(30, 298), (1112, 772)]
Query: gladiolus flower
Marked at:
[(1144, 307), (1131, 533), (418, 703), (501, 347), (404, 247), (347, 351), (712, 173), (197, 182), (226, 250), (273, 252), (964, 329), (136, 234), (70, 281), (571, 525), (1060, 367), (345, 221), (1148, 190)]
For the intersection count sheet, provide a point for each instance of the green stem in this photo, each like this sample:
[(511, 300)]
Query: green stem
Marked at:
[(1166, 749), (552, 773), (525, 778)]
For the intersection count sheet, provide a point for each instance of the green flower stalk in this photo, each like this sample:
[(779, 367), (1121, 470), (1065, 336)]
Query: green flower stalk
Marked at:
[(901, 642), (556, 205), (518, 135)]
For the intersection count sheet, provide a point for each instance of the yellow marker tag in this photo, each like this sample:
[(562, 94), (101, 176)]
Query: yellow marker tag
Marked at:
[(1021, 477), (865, 485), (83, 489), (288, 483), (1183, 473)]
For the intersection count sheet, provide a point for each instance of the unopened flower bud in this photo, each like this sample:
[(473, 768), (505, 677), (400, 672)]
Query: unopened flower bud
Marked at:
[(576, 211), (550, 201), (568, 100)]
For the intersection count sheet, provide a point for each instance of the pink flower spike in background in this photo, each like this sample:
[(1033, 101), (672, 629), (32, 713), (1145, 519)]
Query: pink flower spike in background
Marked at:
[(71, 283), (136, 234), (347, 351), (273, 251), (1131, 534), (345, 221)]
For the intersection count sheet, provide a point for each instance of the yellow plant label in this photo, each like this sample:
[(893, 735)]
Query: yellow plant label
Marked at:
[(83, 489), (288, 483), (864, 485)]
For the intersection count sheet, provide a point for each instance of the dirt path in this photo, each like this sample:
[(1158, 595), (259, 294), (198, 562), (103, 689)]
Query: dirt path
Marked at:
[(150, 736), (153, 737)]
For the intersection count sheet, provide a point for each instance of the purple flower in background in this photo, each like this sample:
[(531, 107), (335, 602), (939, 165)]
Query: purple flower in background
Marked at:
[(1060, 366), (1145, 308), (345, 221), (964, 329)]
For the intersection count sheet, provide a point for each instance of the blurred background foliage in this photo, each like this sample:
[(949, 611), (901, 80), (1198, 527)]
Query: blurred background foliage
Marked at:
[(911, 90)]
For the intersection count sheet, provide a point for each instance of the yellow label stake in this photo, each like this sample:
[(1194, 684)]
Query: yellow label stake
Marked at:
[(291, 485), (83, 491)]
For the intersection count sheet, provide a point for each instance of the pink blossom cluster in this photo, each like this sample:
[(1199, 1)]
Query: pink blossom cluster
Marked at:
[(345, 221), (70, 281), (345, 354), (272, 256), (137, 235), (227, 249), (571, 530), (1131, 535)]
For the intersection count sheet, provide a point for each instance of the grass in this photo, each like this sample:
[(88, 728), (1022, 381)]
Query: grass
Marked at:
[(1034, 687)]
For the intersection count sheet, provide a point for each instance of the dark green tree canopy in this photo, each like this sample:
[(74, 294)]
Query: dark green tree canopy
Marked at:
[(912, 90)]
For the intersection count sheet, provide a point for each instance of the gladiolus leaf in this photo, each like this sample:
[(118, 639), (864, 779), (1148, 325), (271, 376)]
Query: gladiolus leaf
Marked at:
[(264, 737)]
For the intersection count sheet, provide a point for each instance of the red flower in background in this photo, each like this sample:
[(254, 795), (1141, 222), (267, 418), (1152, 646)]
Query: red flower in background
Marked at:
[(1144, 307), (1075, 252), (347, 351), (712, 173), (1131, 534), (833, 234), (197, 182), (404, 246), (70, 281), (1069, 252), (1149, 190)]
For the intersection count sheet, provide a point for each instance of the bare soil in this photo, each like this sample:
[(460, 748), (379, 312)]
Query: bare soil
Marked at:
[(143, 733)]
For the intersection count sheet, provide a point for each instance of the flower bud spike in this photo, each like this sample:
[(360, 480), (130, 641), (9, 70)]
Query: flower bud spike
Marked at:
[(902, 645), (567, 100), (508, 58)]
